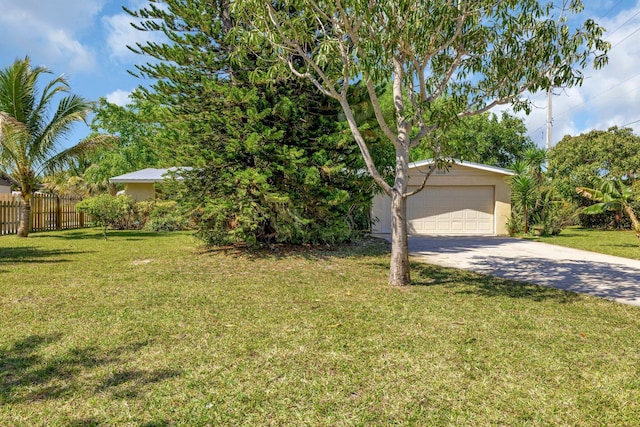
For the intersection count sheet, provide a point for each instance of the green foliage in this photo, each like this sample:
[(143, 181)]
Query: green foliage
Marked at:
[(552, 214), (142, 140), (610, 195), (614, 153), (107, 211), (120, 212), (485, 138), (30, 134), (293, 179), (272, 163), (535, 201), (447, 60), (523, 196), (164, 216)]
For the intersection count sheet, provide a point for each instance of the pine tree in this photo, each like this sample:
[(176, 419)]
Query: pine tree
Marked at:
[(272, 162)]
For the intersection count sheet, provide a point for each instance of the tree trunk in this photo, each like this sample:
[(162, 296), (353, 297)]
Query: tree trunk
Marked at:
[(634, 220), (399, 271), (25, 217)]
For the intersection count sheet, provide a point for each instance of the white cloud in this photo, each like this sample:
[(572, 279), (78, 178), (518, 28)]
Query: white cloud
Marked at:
[(608, 97), (122, 34), (119, 97), (48, 31)]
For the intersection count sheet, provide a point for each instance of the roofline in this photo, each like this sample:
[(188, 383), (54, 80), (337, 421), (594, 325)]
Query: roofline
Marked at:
[(133, 181), (466, 163), (123, 179)]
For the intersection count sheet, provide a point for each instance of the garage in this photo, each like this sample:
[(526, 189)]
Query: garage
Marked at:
[(452, 210), (468, 199)]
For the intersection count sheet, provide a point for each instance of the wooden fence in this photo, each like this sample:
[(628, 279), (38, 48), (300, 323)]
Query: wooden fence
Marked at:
[(48, 212)]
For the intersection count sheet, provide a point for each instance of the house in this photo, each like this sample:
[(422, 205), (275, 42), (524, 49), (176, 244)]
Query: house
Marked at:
[(140, 185), (467, 199), (5, 186)]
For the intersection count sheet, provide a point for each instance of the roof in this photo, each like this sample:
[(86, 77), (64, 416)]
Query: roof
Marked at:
[(5, 182), (148, 175), (465, 163)]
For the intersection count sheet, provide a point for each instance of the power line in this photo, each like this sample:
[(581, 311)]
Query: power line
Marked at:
[(572, 107), (630, 123), (612, 9), (629, 35), (624, 23)]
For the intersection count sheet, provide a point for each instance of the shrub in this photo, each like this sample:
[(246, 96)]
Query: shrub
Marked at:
[(108, 211), (164, 216), (142, 212)]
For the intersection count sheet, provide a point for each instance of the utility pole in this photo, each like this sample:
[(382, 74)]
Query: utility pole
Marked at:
[(549, 117)]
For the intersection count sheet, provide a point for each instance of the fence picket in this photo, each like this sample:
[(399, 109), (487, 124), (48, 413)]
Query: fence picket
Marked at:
[(48, 212)]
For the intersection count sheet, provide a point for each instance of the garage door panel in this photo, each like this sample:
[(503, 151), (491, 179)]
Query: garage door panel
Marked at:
[(452, 210)]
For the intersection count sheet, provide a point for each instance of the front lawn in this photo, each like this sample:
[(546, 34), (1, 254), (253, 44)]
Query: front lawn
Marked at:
[(150, 330), (611, 242)]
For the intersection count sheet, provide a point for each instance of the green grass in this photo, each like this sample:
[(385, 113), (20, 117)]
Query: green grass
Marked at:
[(611, 242), (151, 330)]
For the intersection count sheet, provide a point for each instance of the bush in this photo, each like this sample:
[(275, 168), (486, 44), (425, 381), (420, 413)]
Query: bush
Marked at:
[(164, 216), (107, 211), (120, 213)]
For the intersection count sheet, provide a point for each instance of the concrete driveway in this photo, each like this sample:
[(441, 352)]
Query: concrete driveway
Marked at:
[(604, 276)]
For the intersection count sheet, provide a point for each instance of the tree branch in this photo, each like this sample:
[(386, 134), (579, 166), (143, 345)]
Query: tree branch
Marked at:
[(432, 168)]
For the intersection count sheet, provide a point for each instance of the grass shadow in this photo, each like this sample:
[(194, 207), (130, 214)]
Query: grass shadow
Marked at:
[(365, 247), (128, 383), (34, 255), (85, 422), (620, 245), (95, 234), (484, 285), (29, 374), (94, 422)]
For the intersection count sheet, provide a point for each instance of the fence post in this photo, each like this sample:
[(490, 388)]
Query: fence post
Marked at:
[(58, 213)]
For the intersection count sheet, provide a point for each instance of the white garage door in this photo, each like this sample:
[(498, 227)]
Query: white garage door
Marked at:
[(452, 210)]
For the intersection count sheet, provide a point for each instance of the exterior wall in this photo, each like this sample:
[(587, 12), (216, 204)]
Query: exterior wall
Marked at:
[(140, 192), (457, 175), (381, 214), (5, 189)]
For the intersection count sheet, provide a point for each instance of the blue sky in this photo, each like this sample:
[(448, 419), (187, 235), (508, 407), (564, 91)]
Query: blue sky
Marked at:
[(86, 40)]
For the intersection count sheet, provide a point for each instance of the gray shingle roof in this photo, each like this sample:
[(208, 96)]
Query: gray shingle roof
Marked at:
[(148, 175)]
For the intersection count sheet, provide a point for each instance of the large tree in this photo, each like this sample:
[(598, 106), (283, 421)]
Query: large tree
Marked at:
[(612, 153), (141, 133), (271, 161), (484, 138), (30, 139), (446, 59)]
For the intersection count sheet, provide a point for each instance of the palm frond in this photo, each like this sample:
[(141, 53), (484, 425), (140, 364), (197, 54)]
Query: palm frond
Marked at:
[(590, 193), (86, 146), (595, 209), (70, 110)]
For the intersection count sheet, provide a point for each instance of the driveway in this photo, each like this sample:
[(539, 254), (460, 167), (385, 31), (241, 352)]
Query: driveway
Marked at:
[(604, 276)]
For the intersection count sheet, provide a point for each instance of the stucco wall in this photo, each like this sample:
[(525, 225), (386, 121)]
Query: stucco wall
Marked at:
[(140, 192), (5, 189), (457, 175)]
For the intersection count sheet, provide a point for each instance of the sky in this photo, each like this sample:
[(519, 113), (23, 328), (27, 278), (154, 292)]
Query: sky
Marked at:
[(87, 42)]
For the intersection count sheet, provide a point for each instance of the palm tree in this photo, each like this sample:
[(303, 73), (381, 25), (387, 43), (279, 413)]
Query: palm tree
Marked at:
[(610, 195), (524, 195), (29, 137)]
